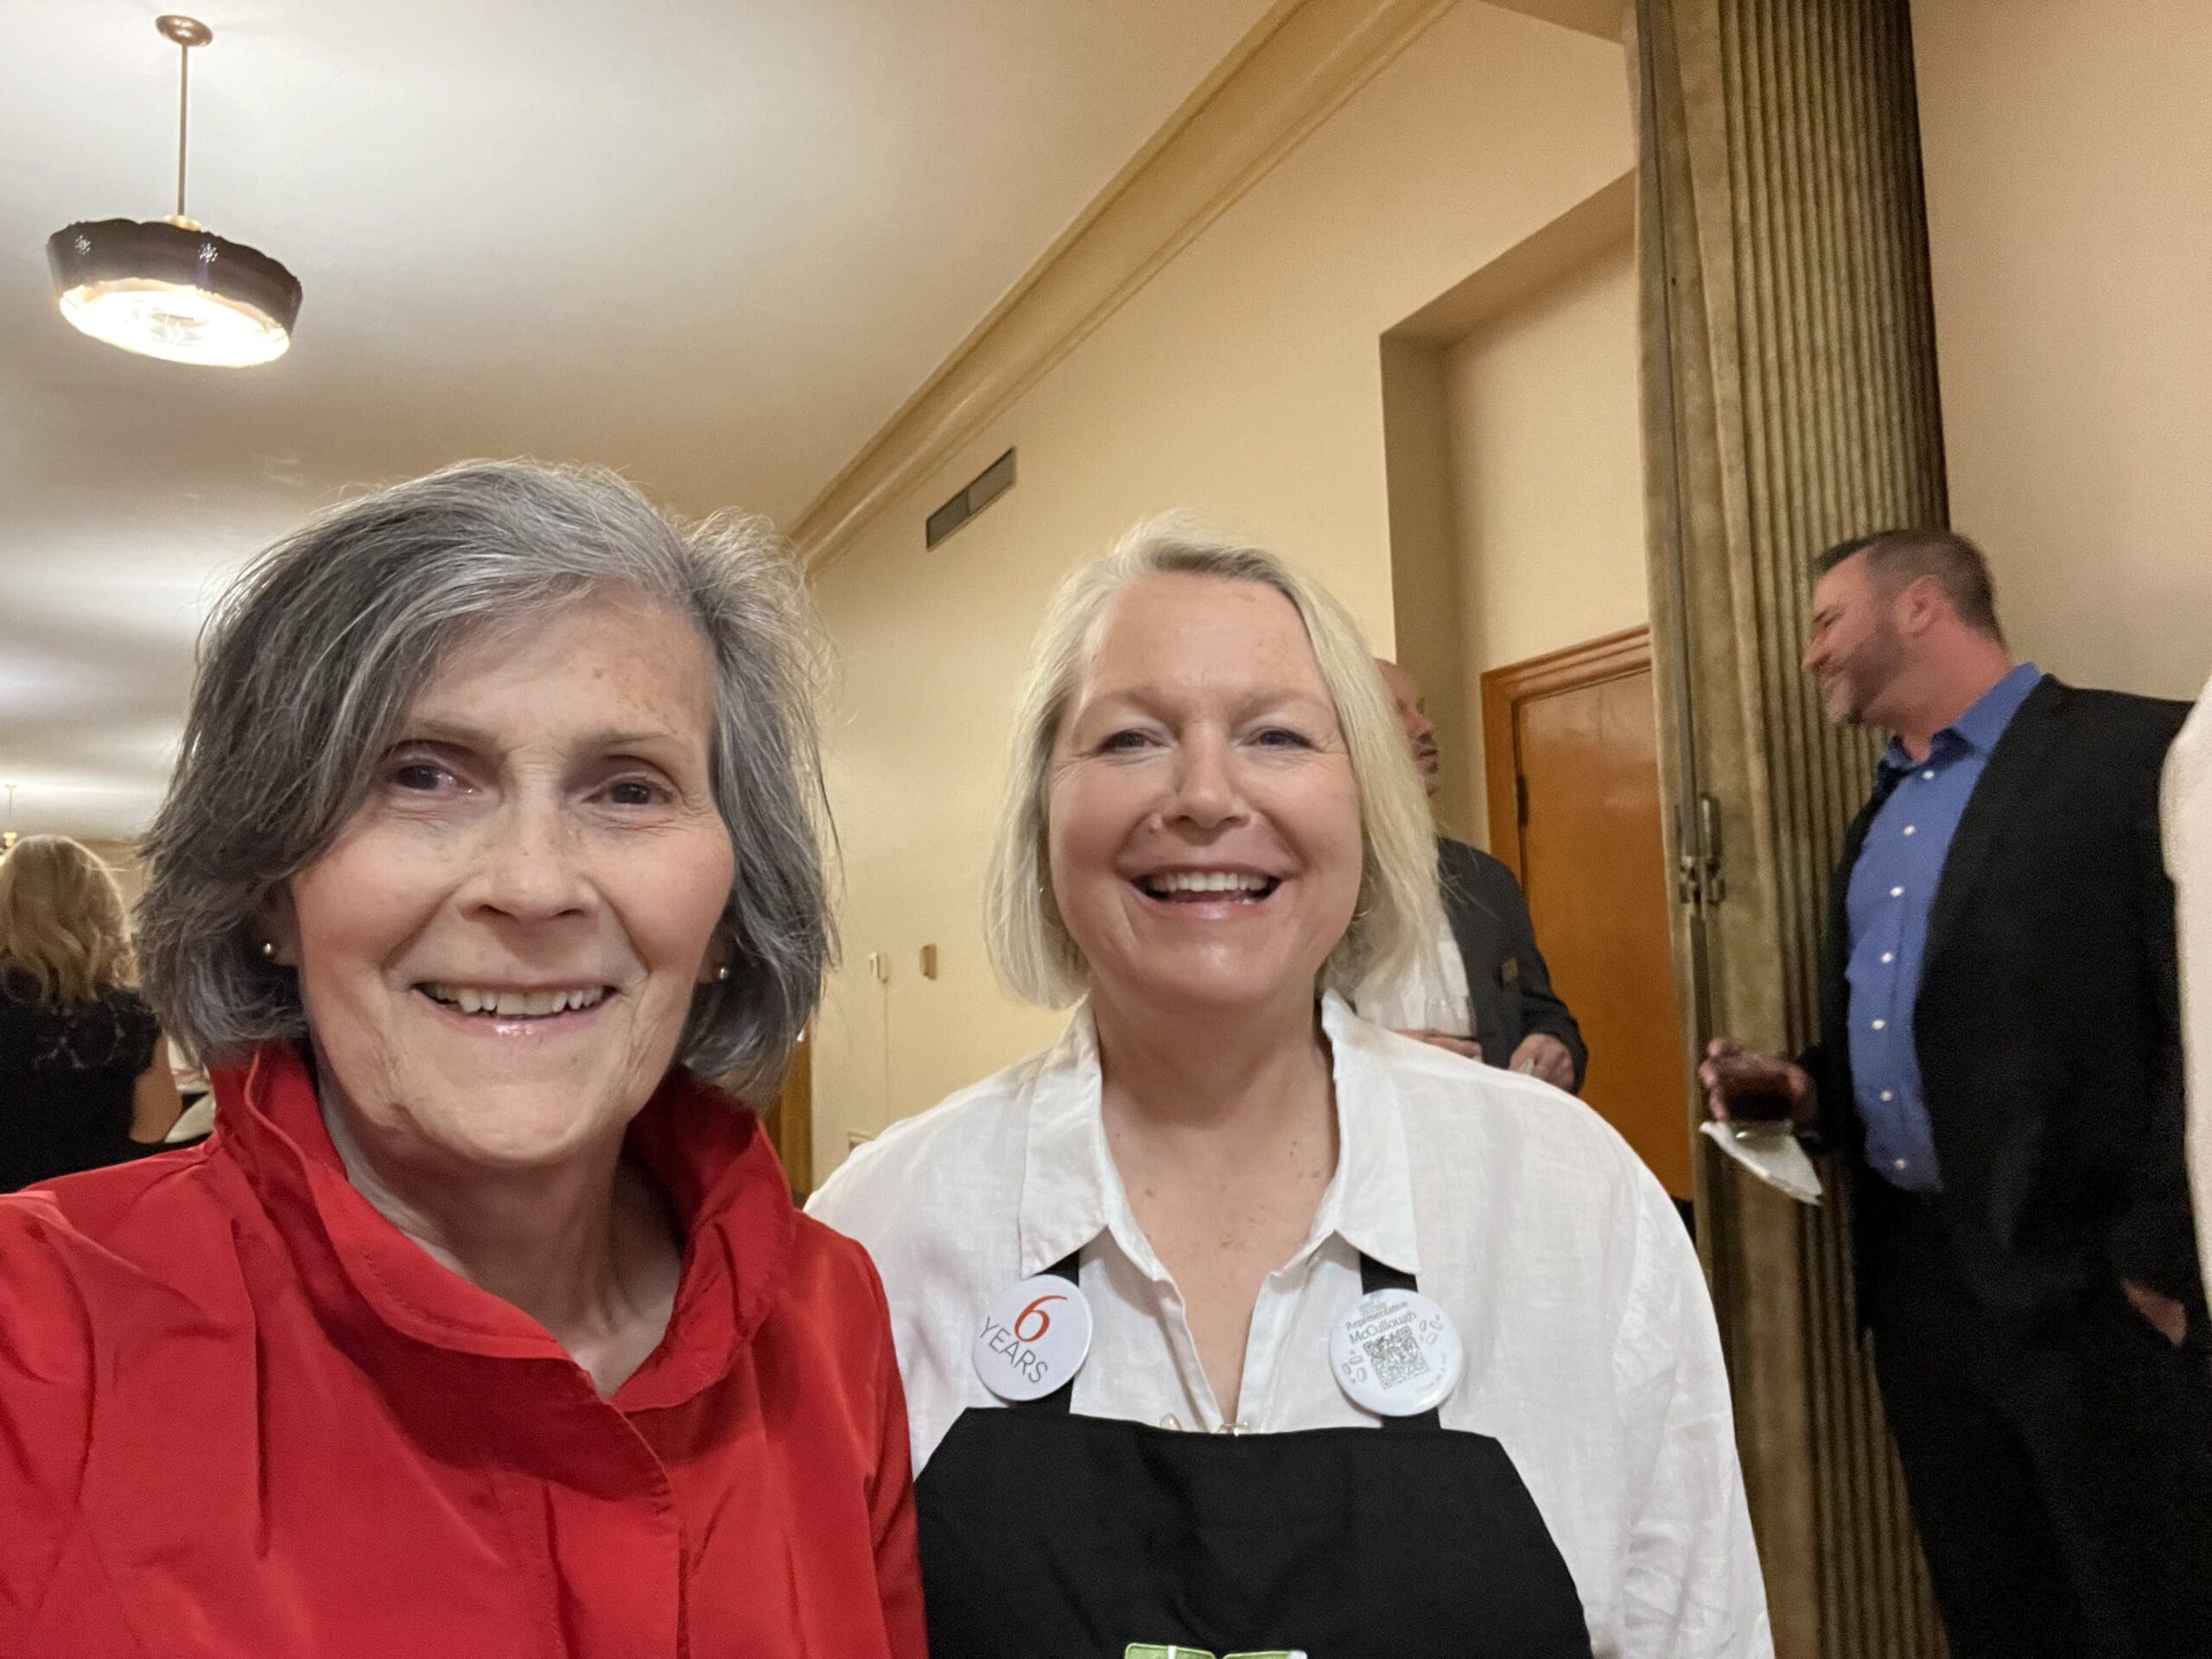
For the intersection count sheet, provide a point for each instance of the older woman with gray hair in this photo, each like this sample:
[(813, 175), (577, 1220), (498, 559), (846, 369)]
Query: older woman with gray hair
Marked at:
[(1233, 1324), (483, 1325)]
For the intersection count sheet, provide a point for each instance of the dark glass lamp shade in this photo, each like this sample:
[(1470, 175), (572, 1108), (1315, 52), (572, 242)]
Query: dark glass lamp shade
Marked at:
[(167, 288)]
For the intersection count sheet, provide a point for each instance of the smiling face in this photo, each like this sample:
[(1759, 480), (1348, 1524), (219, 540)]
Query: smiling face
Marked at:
[(1205, 839), (497, 953), (1854, 650)]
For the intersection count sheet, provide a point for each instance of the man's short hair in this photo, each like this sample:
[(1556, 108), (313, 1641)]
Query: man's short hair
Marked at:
[(1949, 560)]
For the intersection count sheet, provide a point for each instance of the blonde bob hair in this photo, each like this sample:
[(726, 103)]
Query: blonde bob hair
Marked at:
[(61, 920), (1034, 956)]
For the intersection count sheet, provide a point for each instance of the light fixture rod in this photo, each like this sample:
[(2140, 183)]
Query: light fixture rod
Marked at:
[(187, 31), (183, 106)]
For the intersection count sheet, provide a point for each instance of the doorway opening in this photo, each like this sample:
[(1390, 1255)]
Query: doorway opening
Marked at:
[(1571, 750), (1513, 440)]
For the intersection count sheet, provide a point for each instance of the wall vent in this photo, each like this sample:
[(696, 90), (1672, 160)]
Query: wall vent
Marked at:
[(993, 481)]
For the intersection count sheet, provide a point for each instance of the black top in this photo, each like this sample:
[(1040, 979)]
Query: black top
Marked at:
[(66, 1075), (1508, 981)]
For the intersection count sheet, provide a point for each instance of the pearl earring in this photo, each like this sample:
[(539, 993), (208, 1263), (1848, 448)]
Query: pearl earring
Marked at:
[(268, 949), (721, 973)]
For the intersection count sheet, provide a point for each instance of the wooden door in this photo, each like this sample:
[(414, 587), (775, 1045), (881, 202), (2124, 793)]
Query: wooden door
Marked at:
[(1572, 767), (791, 1120)]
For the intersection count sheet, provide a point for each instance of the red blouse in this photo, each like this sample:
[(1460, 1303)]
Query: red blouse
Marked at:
[(242, 1414)]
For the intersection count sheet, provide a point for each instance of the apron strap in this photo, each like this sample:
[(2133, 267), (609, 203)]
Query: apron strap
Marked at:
[(1373, 1276), (1061, 1399)]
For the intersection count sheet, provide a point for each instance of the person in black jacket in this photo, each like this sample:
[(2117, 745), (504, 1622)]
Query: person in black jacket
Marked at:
[(1512, 1017), (1999, 1057), (84, 1078)]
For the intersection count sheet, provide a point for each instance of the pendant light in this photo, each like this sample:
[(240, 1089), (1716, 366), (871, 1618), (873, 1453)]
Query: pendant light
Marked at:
[(166, 288)]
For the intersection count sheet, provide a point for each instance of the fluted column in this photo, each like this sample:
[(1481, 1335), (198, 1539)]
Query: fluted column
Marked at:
[(1790, 402)]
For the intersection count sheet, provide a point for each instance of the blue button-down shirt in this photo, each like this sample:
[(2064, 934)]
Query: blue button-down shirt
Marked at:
[(1892, 888)]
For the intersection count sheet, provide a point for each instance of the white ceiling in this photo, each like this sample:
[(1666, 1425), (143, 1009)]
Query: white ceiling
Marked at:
[(713, 242)]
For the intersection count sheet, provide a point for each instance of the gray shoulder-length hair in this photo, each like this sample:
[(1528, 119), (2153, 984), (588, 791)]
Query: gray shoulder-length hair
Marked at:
[(1398, 909), (318, 649)]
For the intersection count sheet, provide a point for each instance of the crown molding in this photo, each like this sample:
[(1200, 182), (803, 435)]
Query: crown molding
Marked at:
[(1289, 74)]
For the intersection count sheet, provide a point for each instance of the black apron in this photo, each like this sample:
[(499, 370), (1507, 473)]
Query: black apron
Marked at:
[(1047, 1535)]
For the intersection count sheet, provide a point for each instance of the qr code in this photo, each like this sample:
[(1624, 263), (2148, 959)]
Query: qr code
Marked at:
[(1396, 1357)]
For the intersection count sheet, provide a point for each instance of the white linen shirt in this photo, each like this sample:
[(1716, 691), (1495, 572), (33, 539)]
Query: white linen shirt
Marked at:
[(2189, 861), (1591, 1354)]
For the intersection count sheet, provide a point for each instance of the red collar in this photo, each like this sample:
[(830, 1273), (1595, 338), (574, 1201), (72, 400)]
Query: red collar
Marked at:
[(707, 1152)]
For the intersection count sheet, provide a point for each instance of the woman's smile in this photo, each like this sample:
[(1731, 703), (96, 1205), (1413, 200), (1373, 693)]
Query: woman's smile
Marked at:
[(534, 1013), (1208, 896)]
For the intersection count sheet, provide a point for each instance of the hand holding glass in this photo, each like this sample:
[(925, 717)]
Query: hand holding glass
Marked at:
[(1756, 1093)]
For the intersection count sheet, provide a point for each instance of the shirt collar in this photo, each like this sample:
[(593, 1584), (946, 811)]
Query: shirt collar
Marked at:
[(1978, 729), (1374, 1190), (1067, 1173), (1070, 1192), (708, 1153)]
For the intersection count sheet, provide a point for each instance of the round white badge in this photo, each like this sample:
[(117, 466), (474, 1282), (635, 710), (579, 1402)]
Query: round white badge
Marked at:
[(1035, 1337), (1396, 1353)]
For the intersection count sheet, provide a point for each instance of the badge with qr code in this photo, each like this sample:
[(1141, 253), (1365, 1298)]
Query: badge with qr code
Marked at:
[(1396, 1353)]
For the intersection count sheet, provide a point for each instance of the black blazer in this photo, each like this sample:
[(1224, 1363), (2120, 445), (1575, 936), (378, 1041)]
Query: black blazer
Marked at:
[(1507, 981), (2048, 1023)]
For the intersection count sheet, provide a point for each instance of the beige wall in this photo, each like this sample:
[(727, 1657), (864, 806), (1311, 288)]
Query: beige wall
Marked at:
[(2068, 158), (1243, 380), (1548, 483), (121, 858)]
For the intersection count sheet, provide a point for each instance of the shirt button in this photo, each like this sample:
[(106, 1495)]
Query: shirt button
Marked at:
[(1900, 1163), (1911, 828), (1887, 1095), (1896, 893), (1929, 773), (1879, 1024), (1889, 955)]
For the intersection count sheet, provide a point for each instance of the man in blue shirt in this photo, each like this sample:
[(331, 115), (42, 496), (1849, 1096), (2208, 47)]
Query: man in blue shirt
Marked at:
[(1891, 890), (2000, 1060)]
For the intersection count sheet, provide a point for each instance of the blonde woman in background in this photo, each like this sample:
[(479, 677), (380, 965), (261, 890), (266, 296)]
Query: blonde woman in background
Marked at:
[(1234, 1323), (84, 1078)]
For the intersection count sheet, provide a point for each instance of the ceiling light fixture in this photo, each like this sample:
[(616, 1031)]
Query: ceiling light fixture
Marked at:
[(166, 288)]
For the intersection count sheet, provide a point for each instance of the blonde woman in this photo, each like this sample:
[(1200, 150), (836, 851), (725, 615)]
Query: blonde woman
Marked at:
[(1233, 1323), (84, 1078)]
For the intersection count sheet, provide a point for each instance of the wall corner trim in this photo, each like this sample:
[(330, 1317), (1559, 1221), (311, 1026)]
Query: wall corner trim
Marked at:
[(1293, 69)]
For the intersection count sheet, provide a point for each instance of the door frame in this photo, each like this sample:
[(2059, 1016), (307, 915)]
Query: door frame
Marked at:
[(1613, 656), (790, 1117)]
